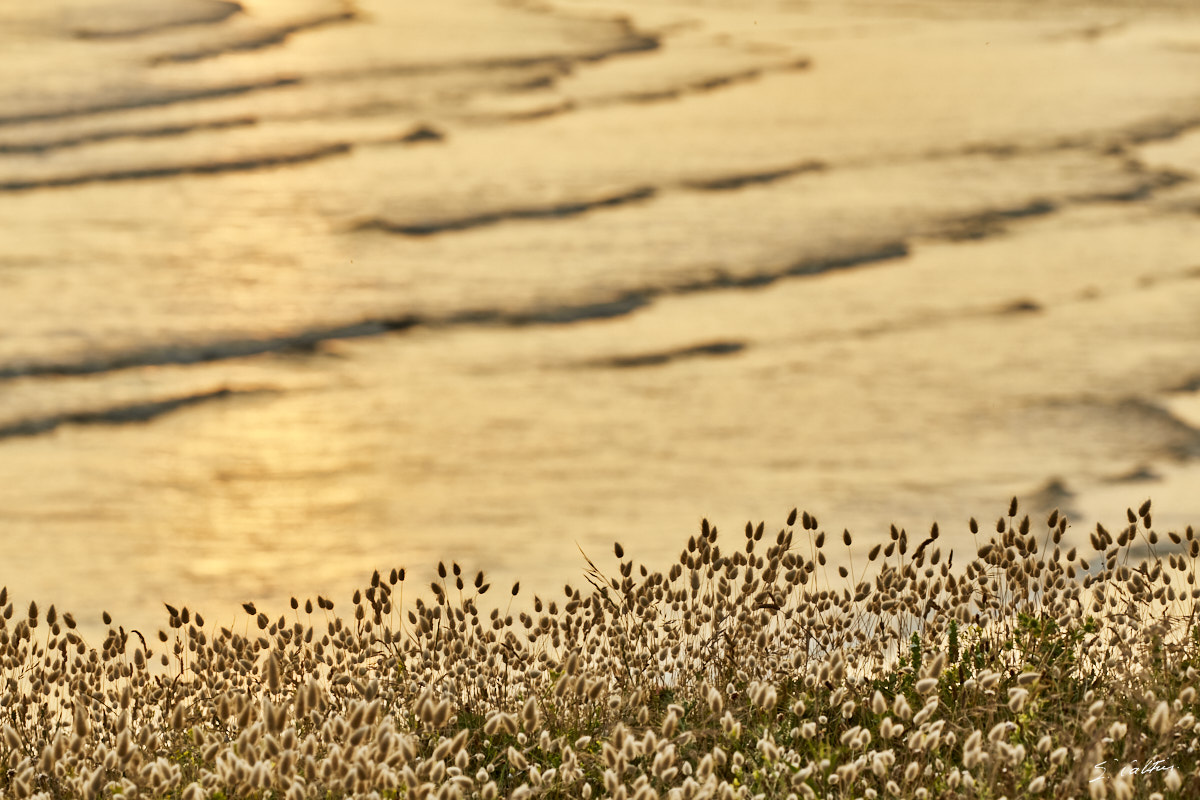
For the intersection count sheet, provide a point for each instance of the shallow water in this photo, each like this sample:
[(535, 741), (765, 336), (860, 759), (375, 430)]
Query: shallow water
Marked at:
[(290, 292)]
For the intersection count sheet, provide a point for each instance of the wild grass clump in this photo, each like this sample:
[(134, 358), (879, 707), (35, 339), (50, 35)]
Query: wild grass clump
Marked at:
[(751, 671)]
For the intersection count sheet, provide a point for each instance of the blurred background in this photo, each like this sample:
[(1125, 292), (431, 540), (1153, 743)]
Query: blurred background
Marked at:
[(294, 290)]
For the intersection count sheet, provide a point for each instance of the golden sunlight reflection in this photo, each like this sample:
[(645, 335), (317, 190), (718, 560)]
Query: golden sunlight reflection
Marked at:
[(295, 291)]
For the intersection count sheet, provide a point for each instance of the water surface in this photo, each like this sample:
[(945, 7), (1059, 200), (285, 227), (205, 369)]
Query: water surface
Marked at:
[(290, 292)]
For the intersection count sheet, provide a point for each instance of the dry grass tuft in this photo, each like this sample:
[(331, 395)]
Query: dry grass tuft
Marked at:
[(748, 672)]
